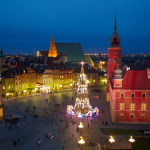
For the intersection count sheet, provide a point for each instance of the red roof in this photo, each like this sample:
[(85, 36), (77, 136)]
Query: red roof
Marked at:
[(136, 79)]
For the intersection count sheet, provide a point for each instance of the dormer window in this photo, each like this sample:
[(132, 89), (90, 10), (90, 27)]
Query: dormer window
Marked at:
[(23, 71)]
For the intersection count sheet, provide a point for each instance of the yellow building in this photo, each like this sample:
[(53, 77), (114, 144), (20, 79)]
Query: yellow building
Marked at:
[(8, 84), (28, 78)]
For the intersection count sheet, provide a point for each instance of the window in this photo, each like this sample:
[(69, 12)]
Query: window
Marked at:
[(16, 87), (19, 87), (3, 87), (30, 85), (9, 87), (122, 116), (143, 107), (19, 82), (22, 81), (132, 95), (44, 81), (142, 116), (8, 81), (32, 75), (16, 83), (29, 80), (32, 80), (26, 85), (25, 75), (132, 106), (122, 95), (23, 86), (132, 116), (29, 76), (19, 78), (121, 106), (12, 86), (143, 95), (16, 78)]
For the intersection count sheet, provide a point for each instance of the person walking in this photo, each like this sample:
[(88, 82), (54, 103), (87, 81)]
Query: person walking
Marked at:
[(14, 143), (88, 125), (91, 120)]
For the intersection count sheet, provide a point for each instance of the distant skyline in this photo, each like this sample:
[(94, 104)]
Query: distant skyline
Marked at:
[(25, 25)]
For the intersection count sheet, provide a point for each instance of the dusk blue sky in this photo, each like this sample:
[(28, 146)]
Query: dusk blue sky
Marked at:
[(27, 24)]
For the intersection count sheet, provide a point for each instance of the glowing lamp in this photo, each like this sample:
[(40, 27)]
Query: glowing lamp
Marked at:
[(131, 140), (7, 94), (81, 141), (87, 81), (80, 125), (70, 84), (25, 91), (111, 139), (60, 85), (82, 63), (79, 115)]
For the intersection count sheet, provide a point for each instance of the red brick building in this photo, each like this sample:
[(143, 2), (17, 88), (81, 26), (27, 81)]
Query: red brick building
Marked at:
[(128, 91)]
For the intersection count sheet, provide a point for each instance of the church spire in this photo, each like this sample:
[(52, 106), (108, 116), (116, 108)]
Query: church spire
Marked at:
[(115, 39), (115, 21)]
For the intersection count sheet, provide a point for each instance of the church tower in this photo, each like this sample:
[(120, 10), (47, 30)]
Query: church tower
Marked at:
[(52, 50), (115, 55)]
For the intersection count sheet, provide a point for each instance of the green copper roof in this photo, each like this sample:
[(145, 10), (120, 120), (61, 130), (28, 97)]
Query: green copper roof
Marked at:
[(72, 50)]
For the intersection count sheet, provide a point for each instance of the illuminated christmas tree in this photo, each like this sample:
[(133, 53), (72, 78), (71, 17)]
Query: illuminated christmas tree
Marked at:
[(82, 104)]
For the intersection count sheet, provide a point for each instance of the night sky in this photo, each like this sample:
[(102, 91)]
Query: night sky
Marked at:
[(27, 24)]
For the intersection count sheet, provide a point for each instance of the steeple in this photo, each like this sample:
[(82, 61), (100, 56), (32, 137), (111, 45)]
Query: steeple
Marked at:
[(52, 50), (115, 39)]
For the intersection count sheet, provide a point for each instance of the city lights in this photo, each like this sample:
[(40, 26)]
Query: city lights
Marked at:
[(80, 125), (111, 139), (81, 141)]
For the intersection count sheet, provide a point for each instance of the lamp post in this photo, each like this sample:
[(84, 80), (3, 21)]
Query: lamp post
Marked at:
[(111, 140), (25, 92), (80, 126), (81, 142)]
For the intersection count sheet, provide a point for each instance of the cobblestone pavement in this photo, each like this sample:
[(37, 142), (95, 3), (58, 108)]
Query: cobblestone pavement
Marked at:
[(34, 128)]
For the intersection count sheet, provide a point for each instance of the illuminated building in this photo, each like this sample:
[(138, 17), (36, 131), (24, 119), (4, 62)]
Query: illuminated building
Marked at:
[(52, 50), (82, 104), (129, 90)]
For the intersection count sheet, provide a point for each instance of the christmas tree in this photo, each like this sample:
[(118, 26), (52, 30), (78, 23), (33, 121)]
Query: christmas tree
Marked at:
[(82, 104)]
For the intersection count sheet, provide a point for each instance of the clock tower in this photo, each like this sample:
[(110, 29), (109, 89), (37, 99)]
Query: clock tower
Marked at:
[(115, 54)]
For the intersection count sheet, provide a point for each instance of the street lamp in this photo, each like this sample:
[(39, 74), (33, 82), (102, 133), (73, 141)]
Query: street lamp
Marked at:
[(25, 92), (81, 141), (79, 116), (131, 140), (111, 140), (80, 126)]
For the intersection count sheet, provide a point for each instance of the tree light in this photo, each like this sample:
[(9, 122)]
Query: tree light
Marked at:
[(79, 115)]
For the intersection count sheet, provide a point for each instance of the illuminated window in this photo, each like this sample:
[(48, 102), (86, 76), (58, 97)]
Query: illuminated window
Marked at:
[(3, 87), (122, 116), (132, 95), (143, 107), (122, 95), (12, 81), (32, 75), (23, 76), (143, 95), (30, 85), (132, 116), (142, 116), (29, 80), (32, 80), (16, 87), (22, 81), (19, 87), (9, 87), (132, 106), (29, 76), (121, 106)]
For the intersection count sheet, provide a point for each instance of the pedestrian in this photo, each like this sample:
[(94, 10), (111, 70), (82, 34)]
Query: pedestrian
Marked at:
[(18, 140), (91, 120), (14, 143), (88, 125), (28, 107), (52, 121), (50, 102)]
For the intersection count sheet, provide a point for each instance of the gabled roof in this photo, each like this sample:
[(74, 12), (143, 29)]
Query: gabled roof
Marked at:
[(136, 79), (61, 54)]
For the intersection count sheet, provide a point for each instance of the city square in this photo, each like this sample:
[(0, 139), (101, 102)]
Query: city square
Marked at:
[(35, 127)]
